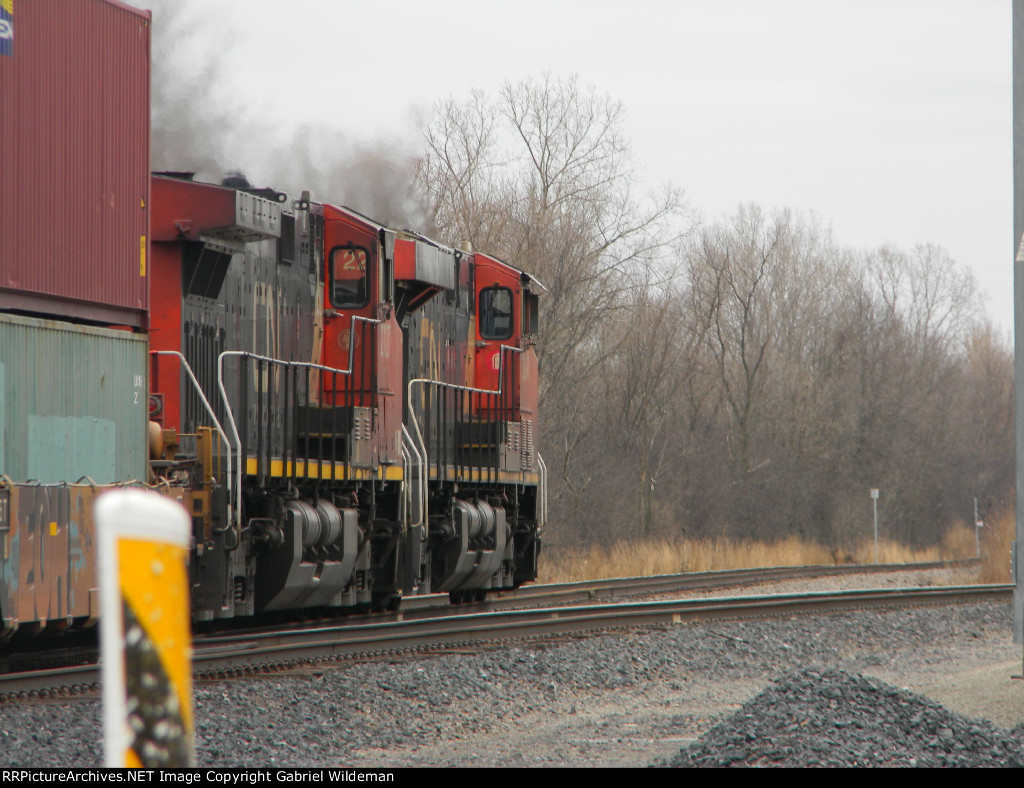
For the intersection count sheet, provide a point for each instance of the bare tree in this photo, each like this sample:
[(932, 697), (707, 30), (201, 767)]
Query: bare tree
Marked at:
[(737, 275), (645, 376), (761, 394), (542, 176), (462, 173)]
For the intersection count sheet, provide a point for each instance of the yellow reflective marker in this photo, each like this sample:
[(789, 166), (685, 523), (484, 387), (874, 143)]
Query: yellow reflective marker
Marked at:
[(145, 635)]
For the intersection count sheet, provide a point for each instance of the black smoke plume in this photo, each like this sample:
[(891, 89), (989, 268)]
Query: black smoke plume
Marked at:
[(202, 122)]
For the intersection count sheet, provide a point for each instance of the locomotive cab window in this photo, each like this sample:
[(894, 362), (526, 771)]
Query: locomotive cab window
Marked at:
[(495, 313), (349, 274)]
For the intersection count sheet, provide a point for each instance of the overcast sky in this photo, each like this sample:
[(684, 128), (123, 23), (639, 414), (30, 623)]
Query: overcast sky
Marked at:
[(890, 120)]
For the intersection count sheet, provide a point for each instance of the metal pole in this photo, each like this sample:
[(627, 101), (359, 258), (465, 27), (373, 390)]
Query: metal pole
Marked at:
[(977, 531), (1018, 305), (874, 505)]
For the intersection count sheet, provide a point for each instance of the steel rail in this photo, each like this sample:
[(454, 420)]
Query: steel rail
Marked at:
[(589, 590), (334, 642), (254, 651)]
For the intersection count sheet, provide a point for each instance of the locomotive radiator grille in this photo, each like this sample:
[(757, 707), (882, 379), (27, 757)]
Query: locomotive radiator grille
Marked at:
[(512, 441), (526, 427), (361, 426)]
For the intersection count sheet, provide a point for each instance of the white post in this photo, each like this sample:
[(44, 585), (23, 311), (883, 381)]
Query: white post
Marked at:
[(874, 504), (145, 637), (977, 530)]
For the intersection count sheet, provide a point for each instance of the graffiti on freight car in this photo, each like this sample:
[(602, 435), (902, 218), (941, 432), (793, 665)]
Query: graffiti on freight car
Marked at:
[(7, 27)]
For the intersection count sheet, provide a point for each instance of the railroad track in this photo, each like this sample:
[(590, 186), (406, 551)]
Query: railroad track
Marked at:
[(616, 588), (469, 629), (242, 653)]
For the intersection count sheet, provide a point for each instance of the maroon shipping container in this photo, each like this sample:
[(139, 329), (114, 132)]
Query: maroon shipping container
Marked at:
[(74, 160)]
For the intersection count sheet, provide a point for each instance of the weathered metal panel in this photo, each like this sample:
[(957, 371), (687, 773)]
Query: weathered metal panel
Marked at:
[(416, 261), (47, 556), (185, 210), (72, 402), (435, 266), (74, 147), (256, 218)]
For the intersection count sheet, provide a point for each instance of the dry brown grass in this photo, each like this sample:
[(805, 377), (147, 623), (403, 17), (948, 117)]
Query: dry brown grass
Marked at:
[(996, 540), (636, 559)]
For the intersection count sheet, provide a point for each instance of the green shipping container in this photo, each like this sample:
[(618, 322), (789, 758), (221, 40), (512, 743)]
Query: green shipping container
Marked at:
[(73, 402)]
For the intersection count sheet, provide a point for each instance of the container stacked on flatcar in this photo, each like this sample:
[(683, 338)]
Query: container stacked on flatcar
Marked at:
[(74, 142), (74, 197)]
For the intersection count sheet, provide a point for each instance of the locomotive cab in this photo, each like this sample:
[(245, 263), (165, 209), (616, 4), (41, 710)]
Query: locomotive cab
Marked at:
[(508, 304), (361, 339), (472, 404), (506, 327)]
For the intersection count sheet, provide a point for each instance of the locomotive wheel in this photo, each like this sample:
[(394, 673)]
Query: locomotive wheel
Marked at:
[(388, 604), (467, 595)]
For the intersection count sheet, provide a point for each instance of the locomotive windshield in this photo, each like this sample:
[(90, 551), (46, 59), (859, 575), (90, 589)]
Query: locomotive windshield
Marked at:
[(496, 313), (349, 276)]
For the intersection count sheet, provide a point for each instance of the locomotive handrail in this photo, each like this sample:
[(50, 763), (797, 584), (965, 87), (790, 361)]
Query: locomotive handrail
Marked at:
[(237, 513), (209, 410), (457, 387), (403, 509), (202, 397), (543, 519), (470, 389), (422, 492)]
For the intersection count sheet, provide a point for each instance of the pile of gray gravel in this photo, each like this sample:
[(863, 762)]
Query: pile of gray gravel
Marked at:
[(831, 718)]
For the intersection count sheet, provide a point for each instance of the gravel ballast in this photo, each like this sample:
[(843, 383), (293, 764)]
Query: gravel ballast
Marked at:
[(831, 718), (808, 690)]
